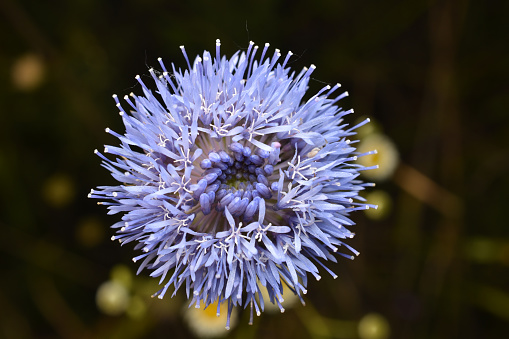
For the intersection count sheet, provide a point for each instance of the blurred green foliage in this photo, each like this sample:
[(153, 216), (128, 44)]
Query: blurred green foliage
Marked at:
[(432, 73)]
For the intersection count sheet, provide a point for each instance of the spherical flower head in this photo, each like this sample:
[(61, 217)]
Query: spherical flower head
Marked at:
[(230, 181)]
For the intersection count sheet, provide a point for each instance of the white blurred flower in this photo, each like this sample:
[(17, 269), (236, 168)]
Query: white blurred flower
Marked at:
[(367, 129), (112, 298), (289, 300), (387, 156), (205, 323)]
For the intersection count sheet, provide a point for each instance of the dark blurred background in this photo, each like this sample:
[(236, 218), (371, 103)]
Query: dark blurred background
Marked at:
[(432, 75)]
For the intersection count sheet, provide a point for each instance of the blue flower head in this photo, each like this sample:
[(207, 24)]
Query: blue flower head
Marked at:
[(230, 182)]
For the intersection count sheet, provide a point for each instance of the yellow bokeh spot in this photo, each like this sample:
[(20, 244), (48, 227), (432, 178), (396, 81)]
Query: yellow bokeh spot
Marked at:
[(373, 326), (89, 232), (137, 308), (58, 190), (384, 202), (483, 250), (123, 275), (28, 72)]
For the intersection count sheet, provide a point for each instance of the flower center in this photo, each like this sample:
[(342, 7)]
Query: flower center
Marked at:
[(236, 180)]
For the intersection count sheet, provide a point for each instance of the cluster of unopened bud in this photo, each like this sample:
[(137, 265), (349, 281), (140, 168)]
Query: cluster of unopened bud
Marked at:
[(236, 180)]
